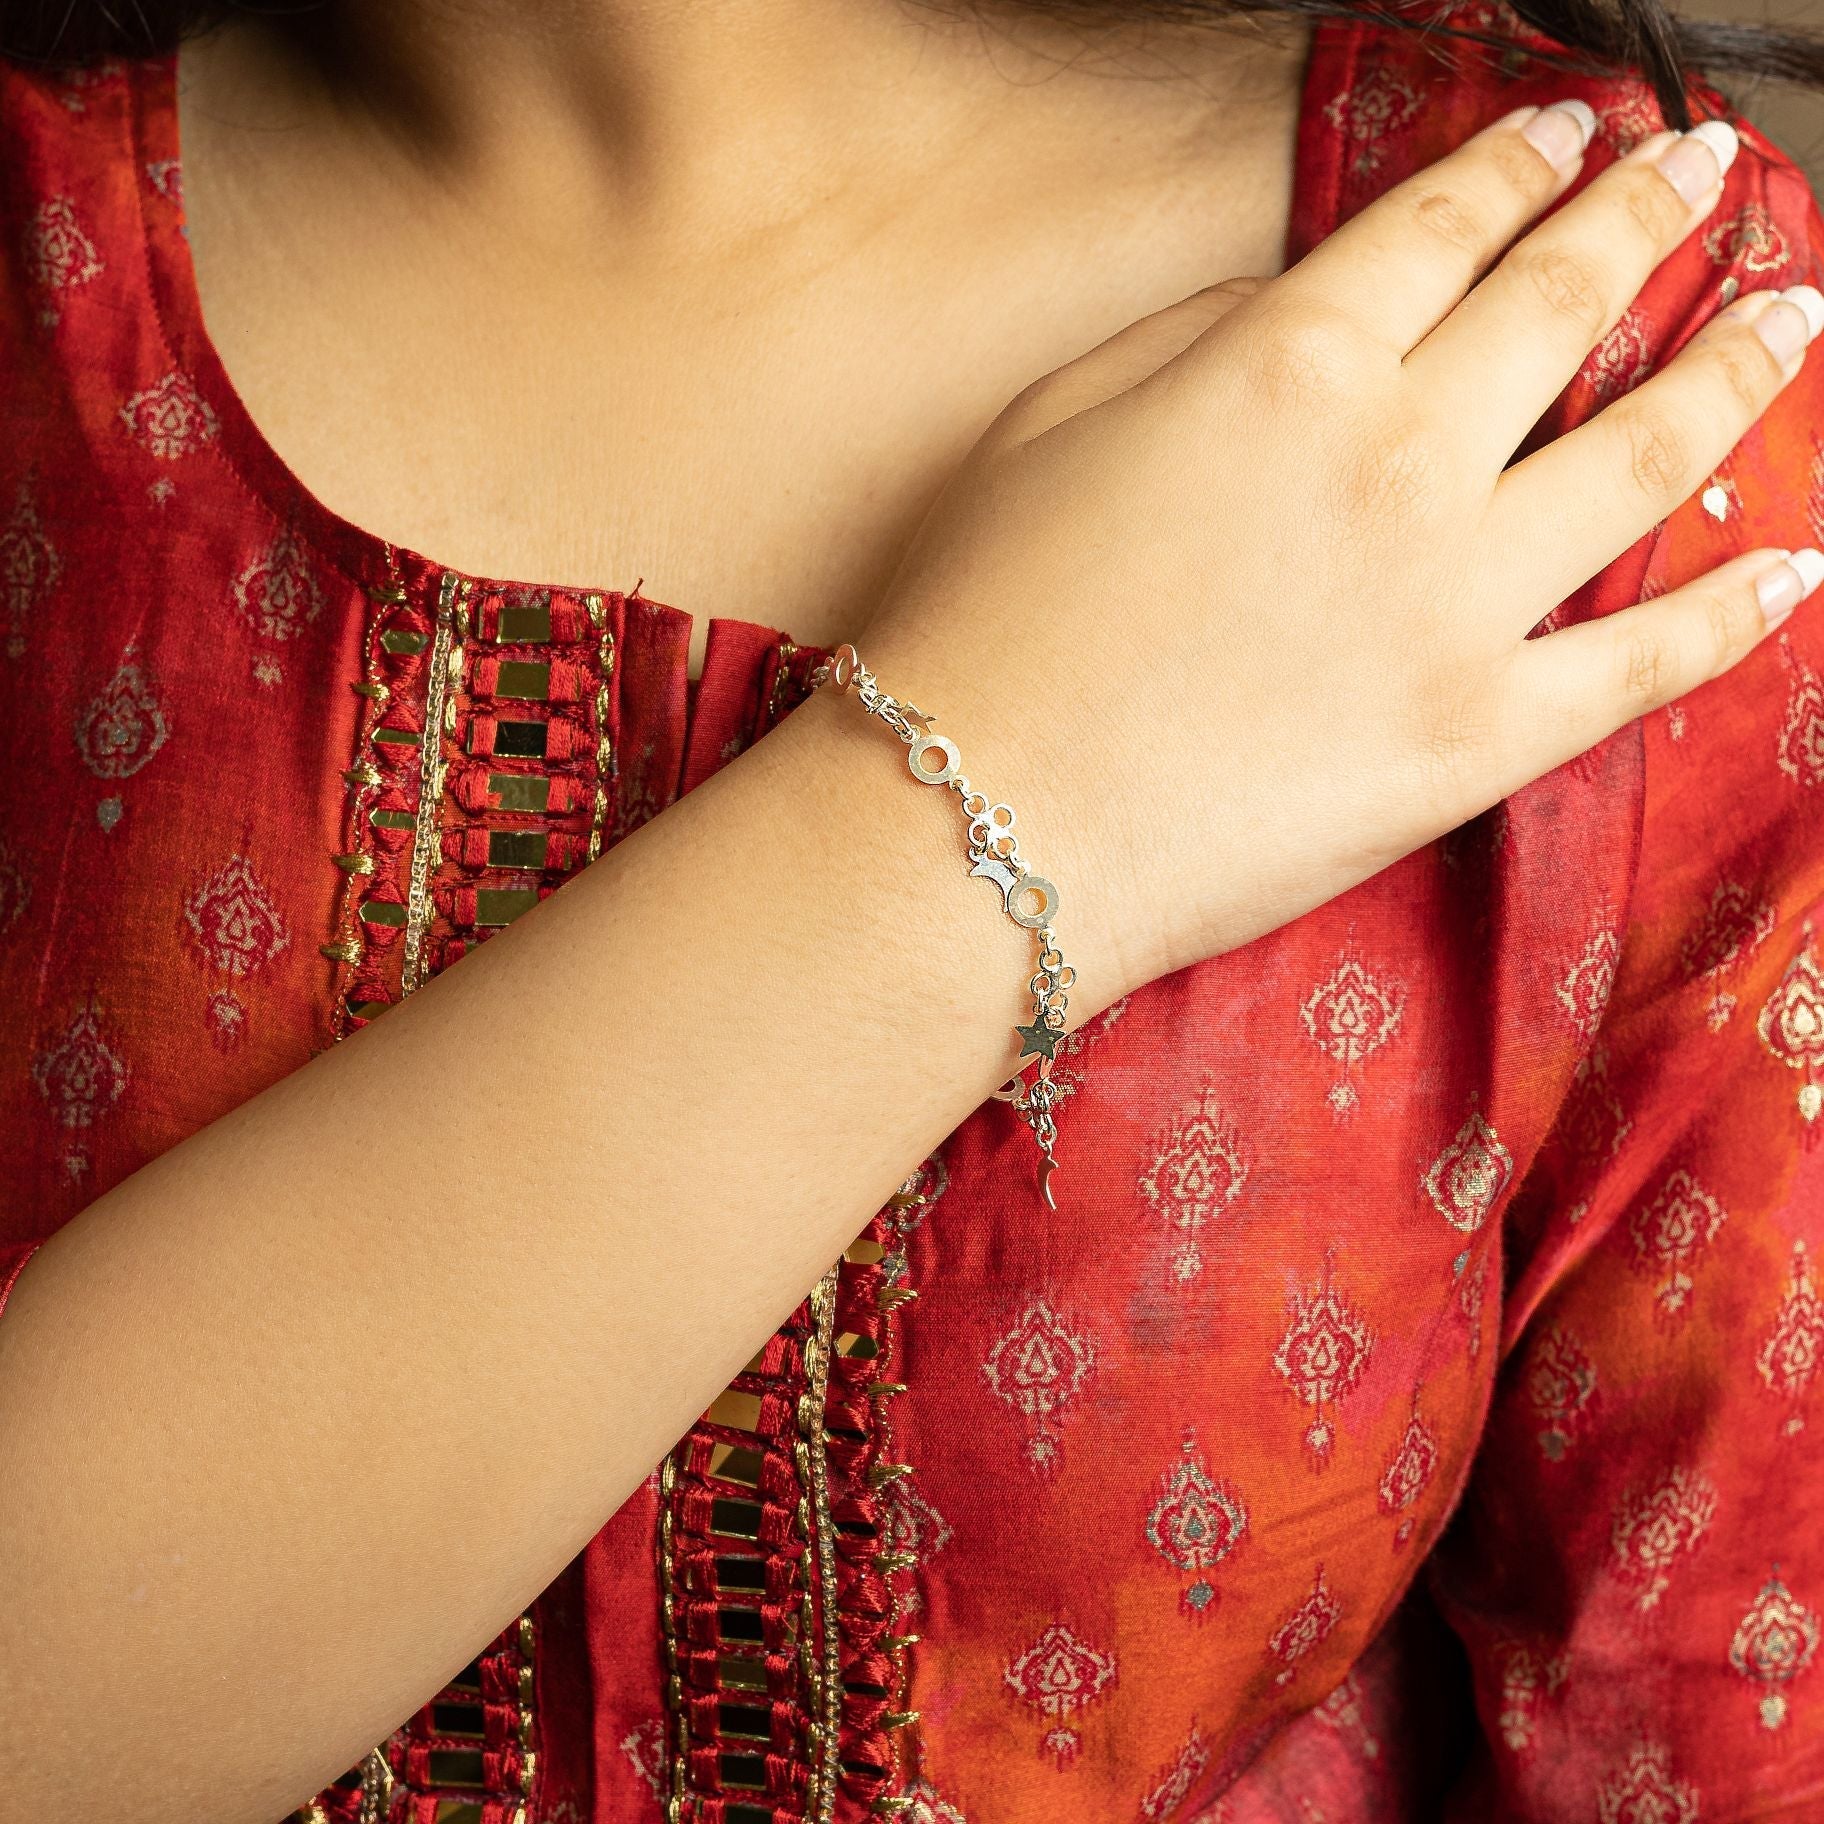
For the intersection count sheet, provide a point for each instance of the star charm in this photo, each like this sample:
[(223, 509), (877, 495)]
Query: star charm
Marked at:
[(1038, 1040)]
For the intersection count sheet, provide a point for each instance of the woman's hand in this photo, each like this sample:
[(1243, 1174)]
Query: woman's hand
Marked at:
[(1252, 580)]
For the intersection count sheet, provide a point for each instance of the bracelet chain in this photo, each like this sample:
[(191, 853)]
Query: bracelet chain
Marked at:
[(1029, 899)]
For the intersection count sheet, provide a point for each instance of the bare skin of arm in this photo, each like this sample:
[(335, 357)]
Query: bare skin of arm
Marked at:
[(708, 1061)]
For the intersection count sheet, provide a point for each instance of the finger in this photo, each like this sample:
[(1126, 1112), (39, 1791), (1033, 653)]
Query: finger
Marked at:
[(1602, 486), (1117, 363), (1407, 259), (1519, 338), (1579, 685)]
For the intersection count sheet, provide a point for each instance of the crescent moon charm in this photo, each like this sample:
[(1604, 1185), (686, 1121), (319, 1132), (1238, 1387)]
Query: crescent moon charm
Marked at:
[(1046, 1168)]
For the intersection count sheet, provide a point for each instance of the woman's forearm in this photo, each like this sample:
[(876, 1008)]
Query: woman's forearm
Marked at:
[(628, 1133)]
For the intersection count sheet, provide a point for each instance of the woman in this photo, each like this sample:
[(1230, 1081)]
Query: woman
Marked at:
[(1431, 1129)]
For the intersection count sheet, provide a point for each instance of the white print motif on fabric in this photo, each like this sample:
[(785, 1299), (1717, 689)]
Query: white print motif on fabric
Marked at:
[(644, 1746), (1749, 238), (927, 1807), (1584, 989), (1735, 924), (1408, 1474), (1621, 360), (1349, 1016), (1791, 1026), (1659, 1524), (1344, 1711), (166, 176), (1305, 1629), (1789, 1357), (1321, 1357), (1528, 1677), (278, 592), (1058, 1674), (1671, 1233), (1561, 1382), (58, 255), (1038, 1366), (81, 1076), (15, 889), (1643, 1791), (1635, 116), (1799, 749), (1469, 1302), (234, 929), (170, 418), (1594, 1123), (231, 921), (1197, 1173), (1466, 1179), (123, 725), (1197, 1521), (1370, 117), (1174, 1783), (909, 1523), (1775, 1642), (29, 565)]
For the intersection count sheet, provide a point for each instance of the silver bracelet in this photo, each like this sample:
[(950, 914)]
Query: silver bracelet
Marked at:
[(994, 853)]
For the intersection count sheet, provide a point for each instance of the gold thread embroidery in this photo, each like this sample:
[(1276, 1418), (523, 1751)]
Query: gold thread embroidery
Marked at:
[(896, 1266), (826, 1683), (446, 658), (604, 748), (346, 948), (674, 1684), (781, 675), (376, 1786), (528, 1754)]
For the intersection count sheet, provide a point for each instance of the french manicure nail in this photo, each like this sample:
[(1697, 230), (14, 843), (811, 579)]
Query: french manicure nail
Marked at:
[(1810, 300), (1779, 589), (1810, 565), (1695, 162), (1783, 586), (1561, 132), (1785, 326)]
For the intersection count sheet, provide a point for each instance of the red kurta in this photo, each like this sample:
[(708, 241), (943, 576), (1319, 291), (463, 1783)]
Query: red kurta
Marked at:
[(1493, 1192)]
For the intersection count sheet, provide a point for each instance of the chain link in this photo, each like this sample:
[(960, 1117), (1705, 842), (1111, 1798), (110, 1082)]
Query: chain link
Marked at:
[(1029, 899)]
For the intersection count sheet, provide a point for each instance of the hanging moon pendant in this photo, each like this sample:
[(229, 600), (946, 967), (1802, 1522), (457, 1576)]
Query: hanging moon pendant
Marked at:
[(1046, 1168)]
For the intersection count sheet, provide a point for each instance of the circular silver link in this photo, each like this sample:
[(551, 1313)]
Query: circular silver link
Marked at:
[(1048, 902), (924, 745)]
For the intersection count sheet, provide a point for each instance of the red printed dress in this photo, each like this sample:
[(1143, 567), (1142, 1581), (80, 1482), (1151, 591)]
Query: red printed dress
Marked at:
[(1491, 1190)]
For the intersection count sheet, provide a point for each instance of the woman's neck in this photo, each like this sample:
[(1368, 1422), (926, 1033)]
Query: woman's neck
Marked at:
[(704, 120)]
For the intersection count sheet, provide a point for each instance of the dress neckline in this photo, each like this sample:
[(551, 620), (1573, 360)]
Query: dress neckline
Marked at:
[(369, 557)]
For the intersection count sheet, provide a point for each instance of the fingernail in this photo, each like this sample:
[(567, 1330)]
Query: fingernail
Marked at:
[(1779, 589), (1785, 326), (1810, 565), (1810, 300), (1694, 163), (1783, 586), (1562, 132)]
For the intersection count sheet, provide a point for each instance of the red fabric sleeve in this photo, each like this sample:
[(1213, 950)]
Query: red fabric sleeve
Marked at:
[(1637, 1571)]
